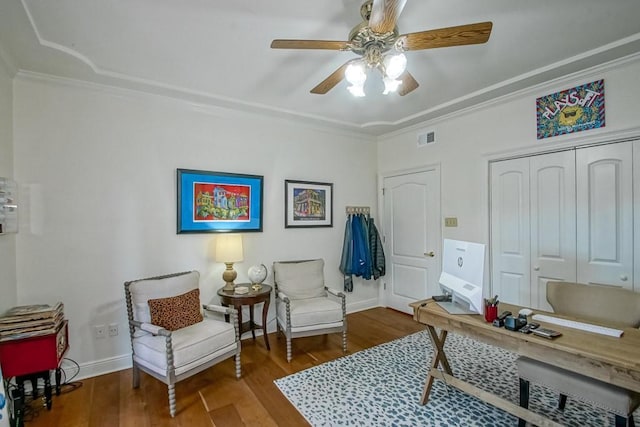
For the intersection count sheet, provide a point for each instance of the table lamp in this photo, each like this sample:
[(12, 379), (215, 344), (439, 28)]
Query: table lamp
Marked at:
[(229, 250)]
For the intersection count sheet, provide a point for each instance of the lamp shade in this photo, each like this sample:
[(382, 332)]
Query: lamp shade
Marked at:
[(229, 248), (395, 65)]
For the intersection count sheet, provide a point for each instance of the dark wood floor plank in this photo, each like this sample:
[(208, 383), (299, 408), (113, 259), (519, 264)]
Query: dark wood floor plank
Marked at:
[(215, 397)]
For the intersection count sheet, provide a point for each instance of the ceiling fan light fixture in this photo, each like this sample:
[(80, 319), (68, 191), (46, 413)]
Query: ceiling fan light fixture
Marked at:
[(355, 73), (391, 85), (395, 65), (356, 90)]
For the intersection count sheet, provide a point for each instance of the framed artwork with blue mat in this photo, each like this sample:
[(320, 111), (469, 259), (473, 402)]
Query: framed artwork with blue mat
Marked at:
[(218, 202)]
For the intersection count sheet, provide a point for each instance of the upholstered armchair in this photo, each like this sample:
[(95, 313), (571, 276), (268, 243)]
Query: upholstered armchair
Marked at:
[(304, 305), (605, 305), (172, 335)]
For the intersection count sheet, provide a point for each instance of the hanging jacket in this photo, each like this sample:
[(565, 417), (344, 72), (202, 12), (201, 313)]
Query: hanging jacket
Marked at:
[(362, 251), (377, 251), (347, 256), (360, 265)]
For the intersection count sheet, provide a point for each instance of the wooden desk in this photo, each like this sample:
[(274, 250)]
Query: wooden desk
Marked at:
[(609, 359), (250, 299)]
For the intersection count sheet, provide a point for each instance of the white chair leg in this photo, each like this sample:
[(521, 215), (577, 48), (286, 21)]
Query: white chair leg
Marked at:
[(172, 400), (238, 366), (135, 376), (344, 341), (288, 349)]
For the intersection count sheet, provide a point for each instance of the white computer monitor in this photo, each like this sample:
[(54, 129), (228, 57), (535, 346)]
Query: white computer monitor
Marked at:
[(463, 276)]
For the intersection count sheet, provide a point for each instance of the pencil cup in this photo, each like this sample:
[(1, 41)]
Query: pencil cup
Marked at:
[(490, 312)]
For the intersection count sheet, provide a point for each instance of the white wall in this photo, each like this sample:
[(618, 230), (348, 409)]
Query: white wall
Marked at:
[(466, 141), (7, 241), (97, 167)]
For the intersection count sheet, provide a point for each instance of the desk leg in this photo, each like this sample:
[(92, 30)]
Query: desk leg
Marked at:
[(239, 310), (265, 309), (252, 323), (58, 379), (47, 391), (439, 358)]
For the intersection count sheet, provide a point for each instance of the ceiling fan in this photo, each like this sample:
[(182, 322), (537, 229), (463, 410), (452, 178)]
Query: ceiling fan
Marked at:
[(381, 46)]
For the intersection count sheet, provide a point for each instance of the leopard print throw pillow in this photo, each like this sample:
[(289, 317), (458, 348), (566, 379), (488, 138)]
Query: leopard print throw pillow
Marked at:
[(177, 312)]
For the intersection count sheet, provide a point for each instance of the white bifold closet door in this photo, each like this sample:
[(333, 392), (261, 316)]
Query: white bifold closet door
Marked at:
[(561, 216), (533, 222), (605, 214)]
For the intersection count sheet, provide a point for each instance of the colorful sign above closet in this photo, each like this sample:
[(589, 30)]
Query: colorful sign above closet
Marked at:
[(571, 110)]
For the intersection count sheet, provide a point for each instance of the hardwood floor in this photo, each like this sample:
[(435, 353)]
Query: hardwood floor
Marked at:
[(214, 397)]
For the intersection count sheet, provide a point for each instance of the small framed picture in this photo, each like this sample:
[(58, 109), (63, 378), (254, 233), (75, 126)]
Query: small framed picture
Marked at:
[(308, 204), (219, 202)]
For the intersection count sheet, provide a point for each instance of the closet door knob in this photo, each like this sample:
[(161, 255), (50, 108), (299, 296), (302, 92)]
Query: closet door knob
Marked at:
[(430, 254), (536, 268), (623, 277)]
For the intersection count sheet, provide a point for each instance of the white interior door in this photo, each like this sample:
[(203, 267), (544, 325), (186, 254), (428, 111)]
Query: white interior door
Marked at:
[(605, 214), (510, 248), (553, 223), (412, 237)]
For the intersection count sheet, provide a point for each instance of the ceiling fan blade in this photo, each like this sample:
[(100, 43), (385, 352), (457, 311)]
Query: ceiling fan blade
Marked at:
[(444, 37), (329, 83), (408, 84), (309, 44), (384, 15)]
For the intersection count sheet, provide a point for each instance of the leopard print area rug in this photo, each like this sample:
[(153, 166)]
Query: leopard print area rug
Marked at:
[(382, 386)]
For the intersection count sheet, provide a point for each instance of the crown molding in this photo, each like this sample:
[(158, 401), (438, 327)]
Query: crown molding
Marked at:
[(445, 111), (532, 90), (196, 106)]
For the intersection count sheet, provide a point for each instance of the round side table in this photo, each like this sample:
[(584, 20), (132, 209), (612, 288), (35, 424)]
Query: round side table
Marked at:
[(251, 298)]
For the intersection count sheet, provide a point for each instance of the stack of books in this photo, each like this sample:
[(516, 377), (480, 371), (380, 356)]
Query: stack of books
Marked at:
[(28, 321)]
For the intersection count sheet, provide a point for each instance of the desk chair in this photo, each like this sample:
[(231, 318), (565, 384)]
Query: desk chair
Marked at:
[(596, 304), (170, 338), (304, 305)]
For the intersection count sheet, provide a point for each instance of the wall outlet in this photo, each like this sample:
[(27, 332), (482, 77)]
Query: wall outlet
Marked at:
[(113, 329), (451, 221), (100, 331)]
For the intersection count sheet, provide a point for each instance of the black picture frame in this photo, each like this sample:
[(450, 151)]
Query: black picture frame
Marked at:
[(308, 204)]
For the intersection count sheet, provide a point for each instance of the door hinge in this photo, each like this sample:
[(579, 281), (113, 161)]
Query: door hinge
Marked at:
[(384, 286)]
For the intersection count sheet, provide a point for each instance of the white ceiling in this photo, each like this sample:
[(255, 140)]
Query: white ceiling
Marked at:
[(217, 52)]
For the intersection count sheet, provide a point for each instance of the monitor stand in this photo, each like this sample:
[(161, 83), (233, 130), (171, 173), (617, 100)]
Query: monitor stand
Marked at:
[(453, 308)]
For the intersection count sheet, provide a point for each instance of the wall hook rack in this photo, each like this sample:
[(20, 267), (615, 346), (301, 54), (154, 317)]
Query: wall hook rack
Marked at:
[(364, 210)]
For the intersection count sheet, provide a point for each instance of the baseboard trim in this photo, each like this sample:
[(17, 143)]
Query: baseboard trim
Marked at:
[(363, 305), (96, 367)]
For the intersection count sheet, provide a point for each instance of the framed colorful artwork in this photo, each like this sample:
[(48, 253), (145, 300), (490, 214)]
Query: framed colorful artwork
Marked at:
[(219, 202), (308, 204), (571, 110)]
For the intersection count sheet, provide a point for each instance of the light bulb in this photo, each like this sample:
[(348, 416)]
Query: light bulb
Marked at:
[(356, 90), (355, 73), (390, 85), (394, 65)]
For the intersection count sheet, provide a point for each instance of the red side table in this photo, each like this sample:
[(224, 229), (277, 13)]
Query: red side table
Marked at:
[(34, 357)]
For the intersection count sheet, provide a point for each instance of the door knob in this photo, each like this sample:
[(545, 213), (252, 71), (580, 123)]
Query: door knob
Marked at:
[(536, 268), (623, 277), (430, 254)]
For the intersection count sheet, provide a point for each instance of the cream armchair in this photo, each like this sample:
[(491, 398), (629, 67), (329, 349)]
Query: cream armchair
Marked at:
[(170, 338), (304, 305)]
